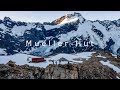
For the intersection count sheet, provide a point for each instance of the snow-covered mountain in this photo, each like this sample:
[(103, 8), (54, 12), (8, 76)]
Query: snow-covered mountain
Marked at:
[(105, 35)]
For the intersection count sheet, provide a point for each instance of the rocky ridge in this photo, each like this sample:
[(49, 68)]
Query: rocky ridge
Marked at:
[(89, 69)]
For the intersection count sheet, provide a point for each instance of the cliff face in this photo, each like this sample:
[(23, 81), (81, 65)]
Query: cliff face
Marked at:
[(88, 70), (61, 72)]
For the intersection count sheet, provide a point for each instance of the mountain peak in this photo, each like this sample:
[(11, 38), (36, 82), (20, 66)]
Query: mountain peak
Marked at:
[(7, 19), (69, 18), (74, 14)]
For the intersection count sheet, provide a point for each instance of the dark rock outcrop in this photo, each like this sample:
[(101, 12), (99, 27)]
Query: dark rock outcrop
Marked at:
[(89, 69), (20, 72)]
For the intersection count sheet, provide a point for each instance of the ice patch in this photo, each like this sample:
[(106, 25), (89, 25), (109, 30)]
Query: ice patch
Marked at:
[(111, 66), (100, 56)]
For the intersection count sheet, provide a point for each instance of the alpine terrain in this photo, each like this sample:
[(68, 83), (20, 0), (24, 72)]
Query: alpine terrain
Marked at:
[(96, 56)]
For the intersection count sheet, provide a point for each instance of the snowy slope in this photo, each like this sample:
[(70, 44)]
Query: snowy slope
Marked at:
[(85, 30), (71, 57), (21, 59), (2, 52), (111, 66), (100, 56), (19, 30), (49, 27)]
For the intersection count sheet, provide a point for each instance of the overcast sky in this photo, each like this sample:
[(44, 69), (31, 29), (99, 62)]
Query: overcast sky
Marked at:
[(44, 16)]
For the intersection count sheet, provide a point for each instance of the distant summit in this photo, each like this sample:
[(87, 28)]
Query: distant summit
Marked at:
[(69, 18)]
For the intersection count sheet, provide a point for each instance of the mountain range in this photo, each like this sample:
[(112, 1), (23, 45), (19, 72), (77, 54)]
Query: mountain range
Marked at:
[(105, 35)]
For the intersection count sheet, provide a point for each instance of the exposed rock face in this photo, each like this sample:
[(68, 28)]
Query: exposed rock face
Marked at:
[(20, 72), (11, 63), (95, 70), (61, 72), (88, 70), (58, 21)]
